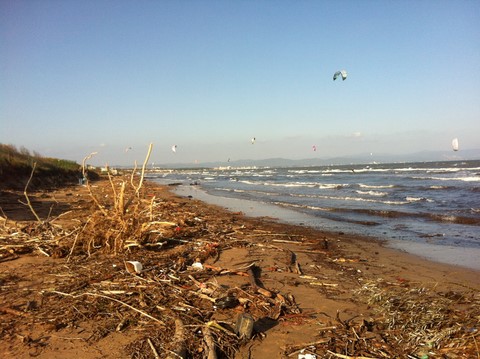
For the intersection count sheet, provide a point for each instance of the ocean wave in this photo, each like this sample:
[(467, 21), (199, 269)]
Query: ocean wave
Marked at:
[(294, 184), (303, 206), (361, 185), (464, 179), (373, 193), (348, 199), (454, 219), (385, 214), (304, 171), (418, 199)]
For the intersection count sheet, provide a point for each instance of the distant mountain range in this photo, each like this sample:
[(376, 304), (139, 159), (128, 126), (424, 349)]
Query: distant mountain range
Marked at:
[(424, 156)]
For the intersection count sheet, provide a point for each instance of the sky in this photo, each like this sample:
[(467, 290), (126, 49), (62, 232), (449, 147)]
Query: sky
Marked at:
[(102, 76)]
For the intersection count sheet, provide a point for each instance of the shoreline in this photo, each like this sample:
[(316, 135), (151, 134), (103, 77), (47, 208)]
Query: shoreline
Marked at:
[(457, 256)]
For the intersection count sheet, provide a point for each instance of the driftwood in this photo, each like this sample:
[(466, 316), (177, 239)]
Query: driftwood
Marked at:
[(179, 347), (209, 344), (254, 283)]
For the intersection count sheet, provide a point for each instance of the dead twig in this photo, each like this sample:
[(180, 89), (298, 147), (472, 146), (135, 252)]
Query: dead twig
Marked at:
[(155, 353), (84, 173), (13, 311), (112, 299), (26, 195), (209, 343), (137, 190)]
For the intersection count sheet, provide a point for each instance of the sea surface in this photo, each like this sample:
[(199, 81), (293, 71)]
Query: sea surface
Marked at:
[(428, 203)]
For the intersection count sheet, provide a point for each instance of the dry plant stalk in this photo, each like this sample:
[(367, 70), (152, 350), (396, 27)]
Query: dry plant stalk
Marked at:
[(155, 353), (133, 174), (137, 189), (112, 184), (112, 299), (26, 195), (88, 183)]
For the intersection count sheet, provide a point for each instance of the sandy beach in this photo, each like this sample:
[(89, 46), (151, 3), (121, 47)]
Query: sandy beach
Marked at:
[(67, 288)]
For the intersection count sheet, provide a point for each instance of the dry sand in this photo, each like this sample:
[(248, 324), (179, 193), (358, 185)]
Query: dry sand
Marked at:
[(349, 296)]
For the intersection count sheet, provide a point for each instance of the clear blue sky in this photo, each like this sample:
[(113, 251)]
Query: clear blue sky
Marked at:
[(208, 76)]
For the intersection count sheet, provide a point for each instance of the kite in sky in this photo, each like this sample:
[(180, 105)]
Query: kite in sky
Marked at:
[(174, 148), (253, 140), (342, 73), (455, 144)]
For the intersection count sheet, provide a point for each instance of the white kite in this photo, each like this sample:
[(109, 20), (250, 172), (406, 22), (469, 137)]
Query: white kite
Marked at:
[(455, 144), (341, 73), (174, 148), (253, 140)]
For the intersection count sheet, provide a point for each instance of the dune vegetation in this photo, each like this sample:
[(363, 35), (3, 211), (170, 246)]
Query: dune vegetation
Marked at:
[(16, 165)]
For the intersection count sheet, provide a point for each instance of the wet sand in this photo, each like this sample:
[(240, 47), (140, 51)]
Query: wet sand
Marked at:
[(464, 257)]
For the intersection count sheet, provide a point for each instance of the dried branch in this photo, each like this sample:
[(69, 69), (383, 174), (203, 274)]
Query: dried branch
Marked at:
[(137, 190), (112, 299), (84, 172), (155, 353), (26, 195)]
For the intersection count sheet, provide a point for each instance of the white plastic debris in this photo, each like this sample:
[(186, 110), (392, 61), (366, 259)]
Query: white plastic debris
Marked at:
[(306, 356), (134, 266), (197, 265)]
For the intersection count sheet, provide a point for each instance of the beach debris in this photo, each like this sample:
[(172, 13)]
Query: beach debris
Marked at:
[(179, 345), (303, 355), (341, 73), (291, 260), (134, 267), (244, 326), (252, 275), (227, 302), (154, 350), (197, 265), (209, 343)]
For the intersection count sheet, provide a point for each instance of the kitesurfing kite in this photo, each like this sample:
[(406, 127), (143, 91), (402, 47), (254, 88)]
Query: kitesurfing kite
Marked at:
[(342, 73), (455, 144), (174, 148), (314, 147), (253, 140), (128, 149)]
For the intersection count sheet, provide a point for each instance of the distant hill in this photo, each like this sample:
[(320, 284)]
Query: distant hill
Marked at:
[(425, 156)]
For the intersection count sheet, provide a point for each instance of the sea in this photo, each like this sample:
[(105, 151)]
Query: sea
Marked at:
[(427, 208)]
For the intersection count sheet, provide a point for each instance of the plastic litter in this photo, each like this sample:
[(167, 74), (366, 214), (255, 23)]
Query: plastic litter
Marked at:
[(307, 356), (197, 265), (133, 267), (244, 326)]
